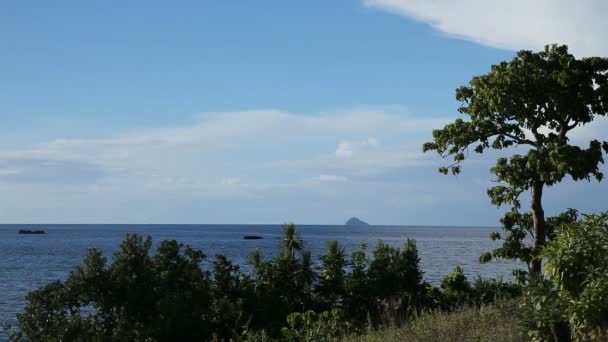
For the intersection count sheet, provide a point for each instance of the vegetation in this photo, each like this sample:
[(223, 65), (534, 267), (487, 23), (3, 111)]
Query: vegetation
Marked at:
[(572, 301), (496, 323), (168, 295), (532, 102)]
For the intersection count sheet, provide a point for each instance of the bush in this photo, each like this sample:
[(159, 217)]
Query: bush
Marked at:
[(572, 302), (312, 327), (457, 291), (137, 297)]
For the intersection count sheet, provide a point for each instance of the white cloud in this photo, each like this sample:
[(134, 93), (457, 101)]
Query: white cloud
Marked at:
[(344, 150), (332, 178), (515, 24), (250, 166), (218, 165), (358, 159), (9, 172), (196, 156), (371, 142), (231, 181)]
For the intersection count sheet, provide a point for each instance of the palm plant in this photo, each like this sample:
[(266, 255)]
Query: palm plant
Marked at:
[(334, 260), (331, 285), (292, 242), (256, 261), (308, 274)]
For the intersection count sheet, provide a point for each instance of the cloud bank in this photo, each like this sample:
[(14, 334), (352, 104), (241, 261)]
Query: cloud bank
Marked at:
[(514, 25), (288, 163), (259, 166)]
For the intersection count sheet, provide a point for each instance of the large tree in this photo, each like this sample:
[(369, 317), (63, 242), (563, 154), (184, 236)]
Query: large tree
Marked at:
[(531, 103)]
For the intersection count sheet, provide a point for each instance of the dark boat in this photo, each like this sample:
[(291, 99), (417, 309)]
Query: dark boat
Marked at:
[(27, 231), (252, 237)]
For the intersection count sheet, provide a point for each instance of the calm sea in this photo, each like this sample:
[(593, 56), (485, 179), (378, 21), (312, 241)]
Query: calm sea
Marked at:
[(30, 261)]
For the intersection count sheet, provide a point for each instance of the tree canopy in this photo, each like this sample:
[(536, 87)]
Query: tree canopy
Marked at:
[(530, 103)]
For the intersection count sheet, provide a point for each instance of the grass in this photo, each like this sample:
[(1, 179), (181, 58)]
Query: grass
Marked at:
[(496, 323)]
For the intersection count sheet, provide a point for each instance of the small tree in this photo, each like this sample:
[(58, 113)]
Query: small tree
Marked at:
[(533, 101), (291, 242), (330, 289), (140, 296)]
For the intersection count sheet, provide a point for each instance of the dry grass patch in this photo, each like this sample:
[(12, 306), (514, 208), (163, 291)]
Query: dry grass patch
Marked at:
[(496, 323)]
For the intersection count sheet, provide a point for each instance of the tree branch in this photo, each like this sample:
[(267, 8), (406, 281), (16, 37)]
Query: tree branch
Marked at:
[(519, 140), (573, 125)]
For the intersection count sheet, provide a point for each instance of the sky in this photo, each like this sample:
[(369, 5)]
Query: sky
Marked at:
[(260, 111)]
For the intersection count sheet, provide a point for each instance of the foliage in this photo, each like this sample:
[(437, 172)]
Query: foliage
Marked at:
[(232, 294), (282, 285), (573, 299), (169, 295), (396, 280), (137, 297), (532, 102), (312, 327), (291, 242), (487, 291), (331, 287), (456, 288), (459, 292), (357, 288), (542, 310)]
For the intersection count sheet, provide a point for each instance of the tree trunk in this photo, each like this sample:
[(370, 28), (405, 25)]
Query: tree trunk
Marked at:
[(538, 216)]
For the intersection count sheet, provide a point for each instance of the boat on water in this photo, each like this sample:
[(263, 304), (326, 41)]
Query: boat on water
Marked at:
[(252, 237), (29, 231)]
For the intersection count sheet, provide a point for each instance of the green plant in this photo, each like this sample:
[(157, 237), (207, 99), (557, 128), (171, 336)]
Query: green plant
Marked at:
[(283, 284), (331, 287), (312, 327), (138, 297), (573, 300), (456, 288), (533, 102), (357, 288), (396, 282), (458, 291)]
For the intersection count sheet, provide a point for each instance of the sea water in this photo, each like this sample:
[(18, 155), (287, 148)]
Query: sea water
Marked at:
[(30, 261)]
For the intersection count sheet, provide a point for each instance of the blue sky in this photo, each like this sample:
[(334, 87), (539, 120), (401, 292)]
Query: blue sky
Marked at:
[(258, 112)]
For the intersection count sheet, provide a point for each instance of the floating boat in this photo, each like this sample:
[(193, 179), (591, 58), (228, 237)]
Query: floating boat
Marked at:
[(28, 231), (252, 237)]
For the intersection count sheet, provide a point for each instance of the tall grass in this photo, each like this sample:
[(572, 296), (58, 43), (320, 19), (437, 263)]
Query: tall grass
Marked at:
[(496, 323)]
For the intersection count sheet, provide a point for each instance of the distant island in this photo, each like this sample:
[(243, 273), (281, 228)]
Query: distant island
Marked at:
[(353, 221)]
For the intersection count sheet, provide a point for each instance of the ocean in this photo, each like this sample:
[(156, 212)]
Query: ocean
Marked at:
[(30, 261)]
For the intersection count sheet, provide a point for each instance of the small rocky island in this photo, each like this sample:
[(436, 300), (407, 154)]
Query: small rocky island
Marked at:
[(28, 231), (355, 222)]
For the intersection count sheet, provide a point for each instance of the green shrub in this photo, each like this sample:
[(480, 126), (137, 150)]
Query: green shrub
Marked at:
[(138, 297), (330, 290), (572, 302), (456, 288), (458, 291), (312, 327)]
